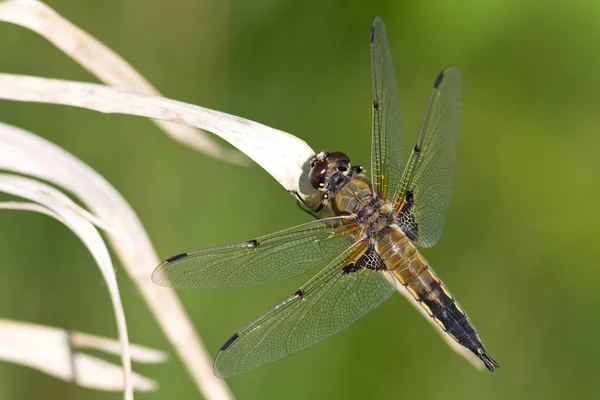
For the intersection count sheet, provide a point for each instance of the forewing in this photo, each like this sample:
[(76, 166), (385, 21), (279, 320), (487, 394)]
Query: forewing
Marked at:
[(387, 147), (429, 175), (262, 260), (338, 296)]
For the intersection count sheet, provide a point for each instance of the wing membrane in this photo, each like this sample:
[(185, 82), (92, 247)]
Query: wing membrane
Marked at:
[(262, 260), (426, 186), (387, 148), (339, 295)]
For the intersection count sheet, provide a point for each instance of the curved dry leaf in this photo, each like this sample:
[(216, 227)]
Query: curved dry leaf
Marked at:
[(47, 196), (65, 201), (26, 206), (53, 351), (106, 65), (281, 154), (26, 153), (139, 354)]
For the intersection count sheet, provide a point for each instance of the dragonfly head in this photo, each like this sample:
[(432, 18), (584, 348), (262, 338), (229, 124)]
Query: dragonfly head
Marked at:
[(329, 171)]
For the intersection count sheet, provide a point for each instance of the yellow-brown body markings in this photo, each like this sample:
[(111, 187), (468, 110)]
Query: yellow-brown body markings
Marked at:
[(379, 226)]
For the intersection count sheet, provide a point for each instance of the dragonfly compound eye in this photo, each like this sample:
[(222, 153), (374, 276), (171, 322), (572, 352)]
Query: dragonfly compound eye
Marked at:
[(317, 174)]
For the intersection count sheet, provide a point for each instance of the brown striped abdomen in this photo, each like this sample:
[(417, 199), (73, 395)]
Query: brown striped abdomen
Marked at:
[(413, 272)]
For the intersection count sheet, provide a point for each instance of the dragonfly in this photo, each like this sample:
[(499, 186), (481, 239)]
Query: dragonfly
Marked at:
[(366, 249)]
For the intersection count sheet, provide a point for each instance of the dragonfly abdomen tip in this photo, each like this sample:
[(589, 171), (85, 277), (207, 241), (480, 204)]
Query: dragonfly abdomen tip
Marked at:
[(489, 362)]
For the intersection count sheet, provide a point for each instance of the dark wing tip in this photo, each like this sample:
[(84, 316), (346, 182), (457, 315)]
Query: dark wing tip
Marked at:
[(372, 37), (218, 371), (438, 80), (377, 25), (230, 341), (158, 276), (450, 76), (176, 257), (489, 362)]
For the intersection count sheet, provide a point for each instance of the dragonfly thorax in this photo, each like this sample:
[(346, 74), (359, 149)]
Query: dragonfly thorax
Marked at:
[(356, 198), (375, 218)]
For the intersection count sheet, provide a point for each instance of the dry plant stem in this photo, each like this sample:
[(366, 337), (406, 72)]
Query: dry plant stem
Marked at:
[(106, 65), (140, 354), (26, 153), (59, 206), (54, 350), (282, 155)]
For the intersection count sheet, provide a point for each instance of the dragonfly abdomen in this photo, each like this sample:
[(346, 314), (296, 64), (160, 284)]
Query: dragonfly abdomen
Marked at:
[(413, 272), (429, 291), (400, 255)]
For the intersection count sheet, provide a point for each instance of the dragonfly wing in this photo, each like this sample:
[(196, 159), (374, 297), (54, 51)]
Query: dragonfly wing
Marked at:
[(426, 188), (265, 259), (387, 147), (348, 288)]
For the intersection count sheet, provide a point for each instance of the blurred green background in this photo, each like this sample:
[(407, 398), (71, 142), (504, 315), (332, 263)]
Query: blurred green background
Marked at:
[(520, 247)]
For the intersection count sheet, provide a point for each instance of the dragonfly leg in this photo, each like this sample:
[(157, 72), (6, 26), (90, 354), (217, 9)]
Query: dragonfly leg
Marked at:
[(313, 210)]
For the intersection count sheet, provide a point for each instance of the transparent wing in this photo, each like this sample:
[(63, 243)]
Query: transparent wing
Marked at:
[(426, 188), (387, 147), (262, 260), (338, 296)]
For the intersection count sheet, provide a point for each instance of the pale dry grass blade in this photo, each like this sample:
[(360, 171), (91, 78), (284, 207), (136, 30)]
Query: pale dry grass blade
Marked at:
[(51, 198), (27, 206), (26, 153), (281, 154), (109, 67), (65, 201), (53, 351), (139, 354)]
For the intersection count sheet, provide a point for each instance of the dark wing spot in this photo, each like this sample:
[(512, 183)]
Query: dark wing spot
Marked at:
[(177, 257), (230, 341), (406, 218), (438, 80), (299, 293), (253, 243), (412, 232), (369, 260), (375, 105), (372, 36), (410, 199), (350, 268), (417, 149)]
